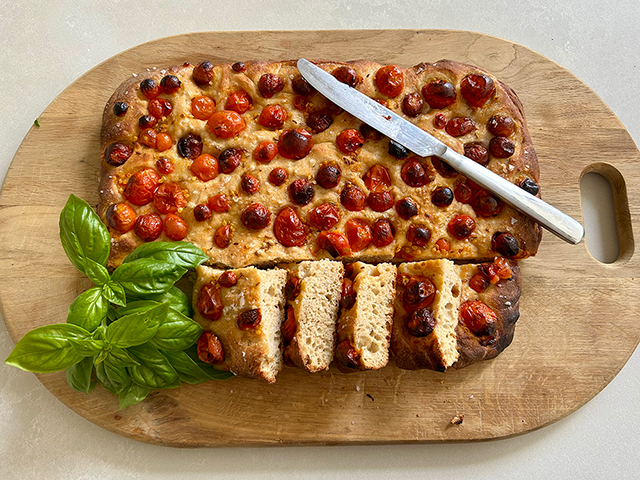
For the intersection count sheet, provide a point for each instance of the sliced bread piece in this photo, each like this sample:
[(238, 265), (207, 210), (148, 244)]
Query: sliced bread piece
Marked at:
[(244, 309), (426, 315), (489, 309), (364, 326), (313, 298)]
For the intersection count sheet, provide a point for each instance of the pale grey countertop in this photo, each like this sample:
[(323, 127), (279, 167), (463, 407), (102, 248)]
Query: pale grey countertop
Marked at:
[(45, 46)]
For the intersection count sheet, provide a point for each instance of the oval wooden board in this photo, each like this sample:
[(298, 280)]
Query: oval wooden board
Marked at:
[(578, 321)]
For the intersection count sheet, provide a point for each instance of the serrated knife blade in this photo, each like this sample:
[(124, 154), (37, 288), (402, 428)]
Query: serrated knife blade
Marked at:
[(424, 145)]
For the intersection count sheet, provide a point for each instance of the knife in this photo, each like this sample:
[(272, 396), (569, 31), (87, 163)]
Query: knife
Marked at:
[(424, 145)]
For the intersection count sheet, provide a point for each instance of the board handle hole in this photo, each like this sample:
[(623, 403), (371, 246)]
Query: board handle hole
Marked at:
[(605, 209)]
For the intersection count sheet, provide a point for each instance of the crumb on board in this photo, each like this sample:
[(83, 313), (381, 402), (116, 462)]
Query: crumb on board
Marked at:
[(457, 420)]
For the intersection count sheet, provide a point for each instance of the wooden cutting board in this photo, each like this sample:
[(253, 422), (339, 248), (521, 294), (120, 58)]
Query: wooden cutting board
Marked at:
[(579, 317)]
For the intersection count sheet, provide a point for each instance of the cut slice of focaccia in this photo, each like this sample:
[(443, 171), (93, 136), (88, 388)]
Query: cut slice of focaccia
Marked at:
[(426, 315), (313, 298), (243, 309), (364, 326)]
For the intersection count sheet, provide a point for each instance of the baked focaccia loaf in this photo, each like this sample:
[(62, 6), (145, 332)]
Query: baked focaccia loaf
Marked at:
[(454, 315), (249, 163), (313, 298), (364, 326), (244, 310)]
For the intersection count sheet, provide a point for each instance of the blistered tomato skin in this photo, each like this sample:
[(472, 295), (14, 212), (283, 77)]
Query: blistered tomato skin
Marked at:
[(505, 244), (358, 233), (190, 146), (501, 147), (347, 354), (148, 137), (295, 144), (383, 233), (210, 349), (442, 197), (142, 186), (439, 94), (250, 319), (117, 153), (205, 167), (529, 186), (352, 198), (169, 198), (222, 237), (318, 121), (147, 121), (461, 226), (148, 227), (165, 166), (415, 174), (380, 201), (459, 126), (120, 108), (335, 243), (170, 84), (329, 175), (239, 102), (477, 89), (239, 67), (219, 203), (346, 75), (301, 192), (203, 73), (269, 84), (228, 279), (265, 152), (301, 86), (421, 323), (324, 217), (202, 212), (390, 80), (350, 141), (203, 107), (479, 318), (121, 217), (477, 152), (412, 105), (273, 116), (278, 176), (226, 124), (418, 236), (149, 88), (175, 227), (256, 216), (249, 184), (229, 160), (407, 208), (377, 178), (209, 303), (289, 229), (501, 126), (419, 293), (159, 108)]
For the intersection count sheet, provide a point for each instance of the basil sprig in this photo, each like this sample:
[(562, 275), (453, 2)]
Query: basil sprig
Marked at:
[(133, 331)]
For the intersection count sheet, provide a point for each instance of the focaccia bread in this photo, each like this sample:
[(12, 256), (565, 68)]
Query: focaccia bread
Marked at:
[(244, 310), (426, 315), (454, 315), (313, 298), (364, 326), (489, 309), (249, 163)]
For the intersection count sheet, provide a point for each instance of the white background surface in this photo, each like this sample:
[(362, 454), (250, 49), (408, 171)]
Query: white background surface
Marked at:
[(45, 46)]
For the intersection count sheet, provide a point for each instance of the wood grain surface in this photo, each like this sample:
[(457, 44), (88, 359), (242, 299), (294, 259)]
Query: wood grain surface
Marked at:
[(579, 317)]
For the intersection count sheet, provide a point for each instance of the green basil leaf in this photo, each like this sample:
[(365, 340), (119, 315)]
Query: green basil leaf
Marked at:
[(176, 332), (178, 299), (82, 233), (183, 254), (99, 333), (111, 314), (102, 377), (87, 347), (154, 370), (97, 273), (187, 369), (102, 355), (120, 357), (47, 349), (136, 328), (79, 376), (114, 293), (209, 369), (88, 309), (136, 306), (147, 277), (118, 377), (133, 394)]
